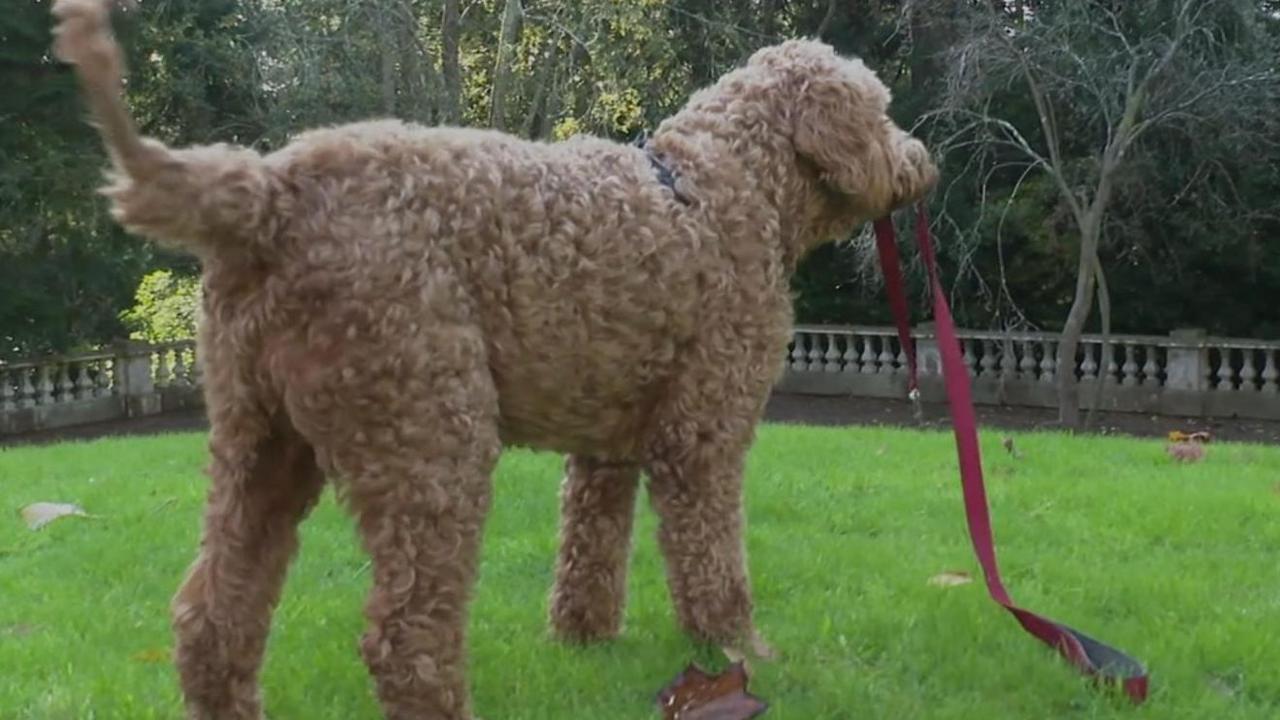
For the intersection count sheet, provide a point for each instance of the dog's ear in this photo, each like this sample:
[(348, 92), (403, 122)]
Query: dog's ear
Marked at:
[(839, 120)]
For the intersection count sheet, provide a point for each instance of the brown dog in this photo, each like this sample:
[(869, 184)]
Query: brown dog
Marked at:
[(388, 305)]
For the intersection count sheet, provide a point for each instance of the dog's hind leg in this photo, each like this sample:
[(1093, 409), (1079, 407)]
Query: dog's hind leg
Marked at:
[(408, 421), (265, 480), (597, 512)]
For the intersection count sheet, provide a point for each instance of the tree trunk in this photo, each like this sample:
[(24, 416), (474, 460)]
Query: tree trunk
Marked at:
[(1104, 314), (828, 17), (450, 38), (1069, 342), (502, 66), (417, 76), (536, 122), (388, 47)]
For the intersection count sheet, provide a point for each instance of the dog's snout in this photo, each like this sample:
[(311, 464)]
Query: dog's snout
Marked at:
[(916, 173), (919, 157)]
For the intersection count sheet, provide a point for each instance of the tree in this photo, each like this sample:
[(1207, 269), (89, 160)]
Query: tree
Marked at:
[(1101, 76)]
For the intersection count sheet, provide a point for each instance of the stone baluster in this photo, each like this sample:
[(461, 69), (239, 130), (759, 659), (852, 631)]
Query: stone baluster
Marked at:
[(886, 356), (1027, 365), (106, 371), (1088, 367), (832, 355), (799, 353), (969, 359), (1226, 373), (1150, 369), (66, 389), (1248, 373), (816, 353), (27, 393), (44, 387), (868, 357), (989, 359), (84, 379), (8, 395), (1049, 361), (1270, 373), (1130, 368), (902, 368), (1113, 368), (849, 359)]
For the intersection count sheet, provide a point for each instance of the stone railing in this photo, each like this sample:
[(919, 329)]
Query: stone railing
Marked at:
[(127, 380), (1184, 373)]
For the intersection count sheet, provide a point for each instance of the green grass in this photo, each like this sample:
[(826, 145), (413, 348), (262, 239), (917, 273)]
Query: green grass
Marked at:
[(1179, 565)]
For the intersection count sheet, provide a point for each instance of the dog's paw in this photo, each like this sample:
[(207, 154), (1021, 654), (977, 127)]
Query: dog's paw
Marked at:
[(754, 649)]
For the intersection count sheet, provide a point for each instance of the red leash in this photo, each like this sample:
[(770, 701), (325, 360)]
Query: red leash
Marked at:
[(1093, 658)]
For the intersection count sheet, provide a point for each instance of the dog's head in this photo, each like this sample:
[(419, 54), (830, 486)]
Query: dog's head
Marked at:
[(837, 115)]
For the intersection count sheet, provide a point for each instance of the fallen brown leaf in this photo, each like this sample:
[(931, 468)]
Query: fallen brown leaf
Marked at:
[(37, 515), (1186, 452), (951, 578), (20, 630), (151, 655), (695, 695)]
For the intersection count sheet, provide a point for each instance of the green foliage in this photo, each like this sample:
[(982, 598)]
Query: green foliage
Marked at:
[(1195, 211), (165, 307)]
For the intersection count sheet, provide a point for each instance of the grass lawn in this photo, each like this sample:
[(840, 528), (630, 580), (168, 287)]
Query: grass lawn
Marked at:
[(1178, 564)]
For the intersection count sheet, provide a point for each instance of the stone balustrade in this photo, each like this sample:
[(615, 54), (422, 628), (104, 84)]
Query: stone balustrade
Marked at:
[(129, 379), (1184, 373)]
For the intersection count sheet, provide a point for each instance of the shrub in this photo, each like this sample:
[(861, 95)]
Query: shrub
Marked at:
[(165, 307)]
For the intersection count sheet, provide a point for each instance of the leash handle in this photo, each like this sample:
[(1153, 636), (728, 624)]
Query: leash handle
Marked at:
[(1092, 657)]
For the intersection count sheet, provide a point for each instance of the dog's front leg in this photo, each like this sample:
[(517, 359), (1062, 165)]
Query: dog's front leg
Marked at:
[(696, 488)]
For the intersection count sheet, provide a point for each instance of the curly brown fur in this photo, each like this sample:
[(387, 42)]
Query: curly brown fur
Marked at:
[(389, 305), (597, 503)]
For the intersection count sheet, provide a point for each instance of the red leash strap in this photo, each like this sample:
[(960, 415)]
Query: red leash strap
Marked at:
[(1092, 657)]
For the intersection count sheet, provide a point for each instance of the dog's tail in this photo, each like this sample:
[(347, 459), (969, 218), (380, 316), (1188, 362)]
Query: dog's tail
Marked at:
[(201, 199)]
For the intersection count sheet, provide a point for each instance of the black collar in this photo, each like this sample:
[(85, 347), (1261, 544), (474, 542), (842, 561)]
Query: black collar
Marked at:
[(665, 175)]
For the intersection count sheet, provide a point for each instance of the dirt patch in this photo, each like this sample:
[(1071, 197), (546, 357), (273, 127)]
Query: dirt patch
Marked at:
[(170, 422), (840, 411), (796, 409)]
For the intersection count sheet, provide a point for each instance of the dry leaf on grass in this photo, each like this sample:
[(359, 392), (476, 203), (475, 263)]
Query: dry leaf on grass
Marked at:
[(695, 695), (951, 578), (1177, 436), (151, 655), (1186, 452), (37, 515), (20, 630)]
